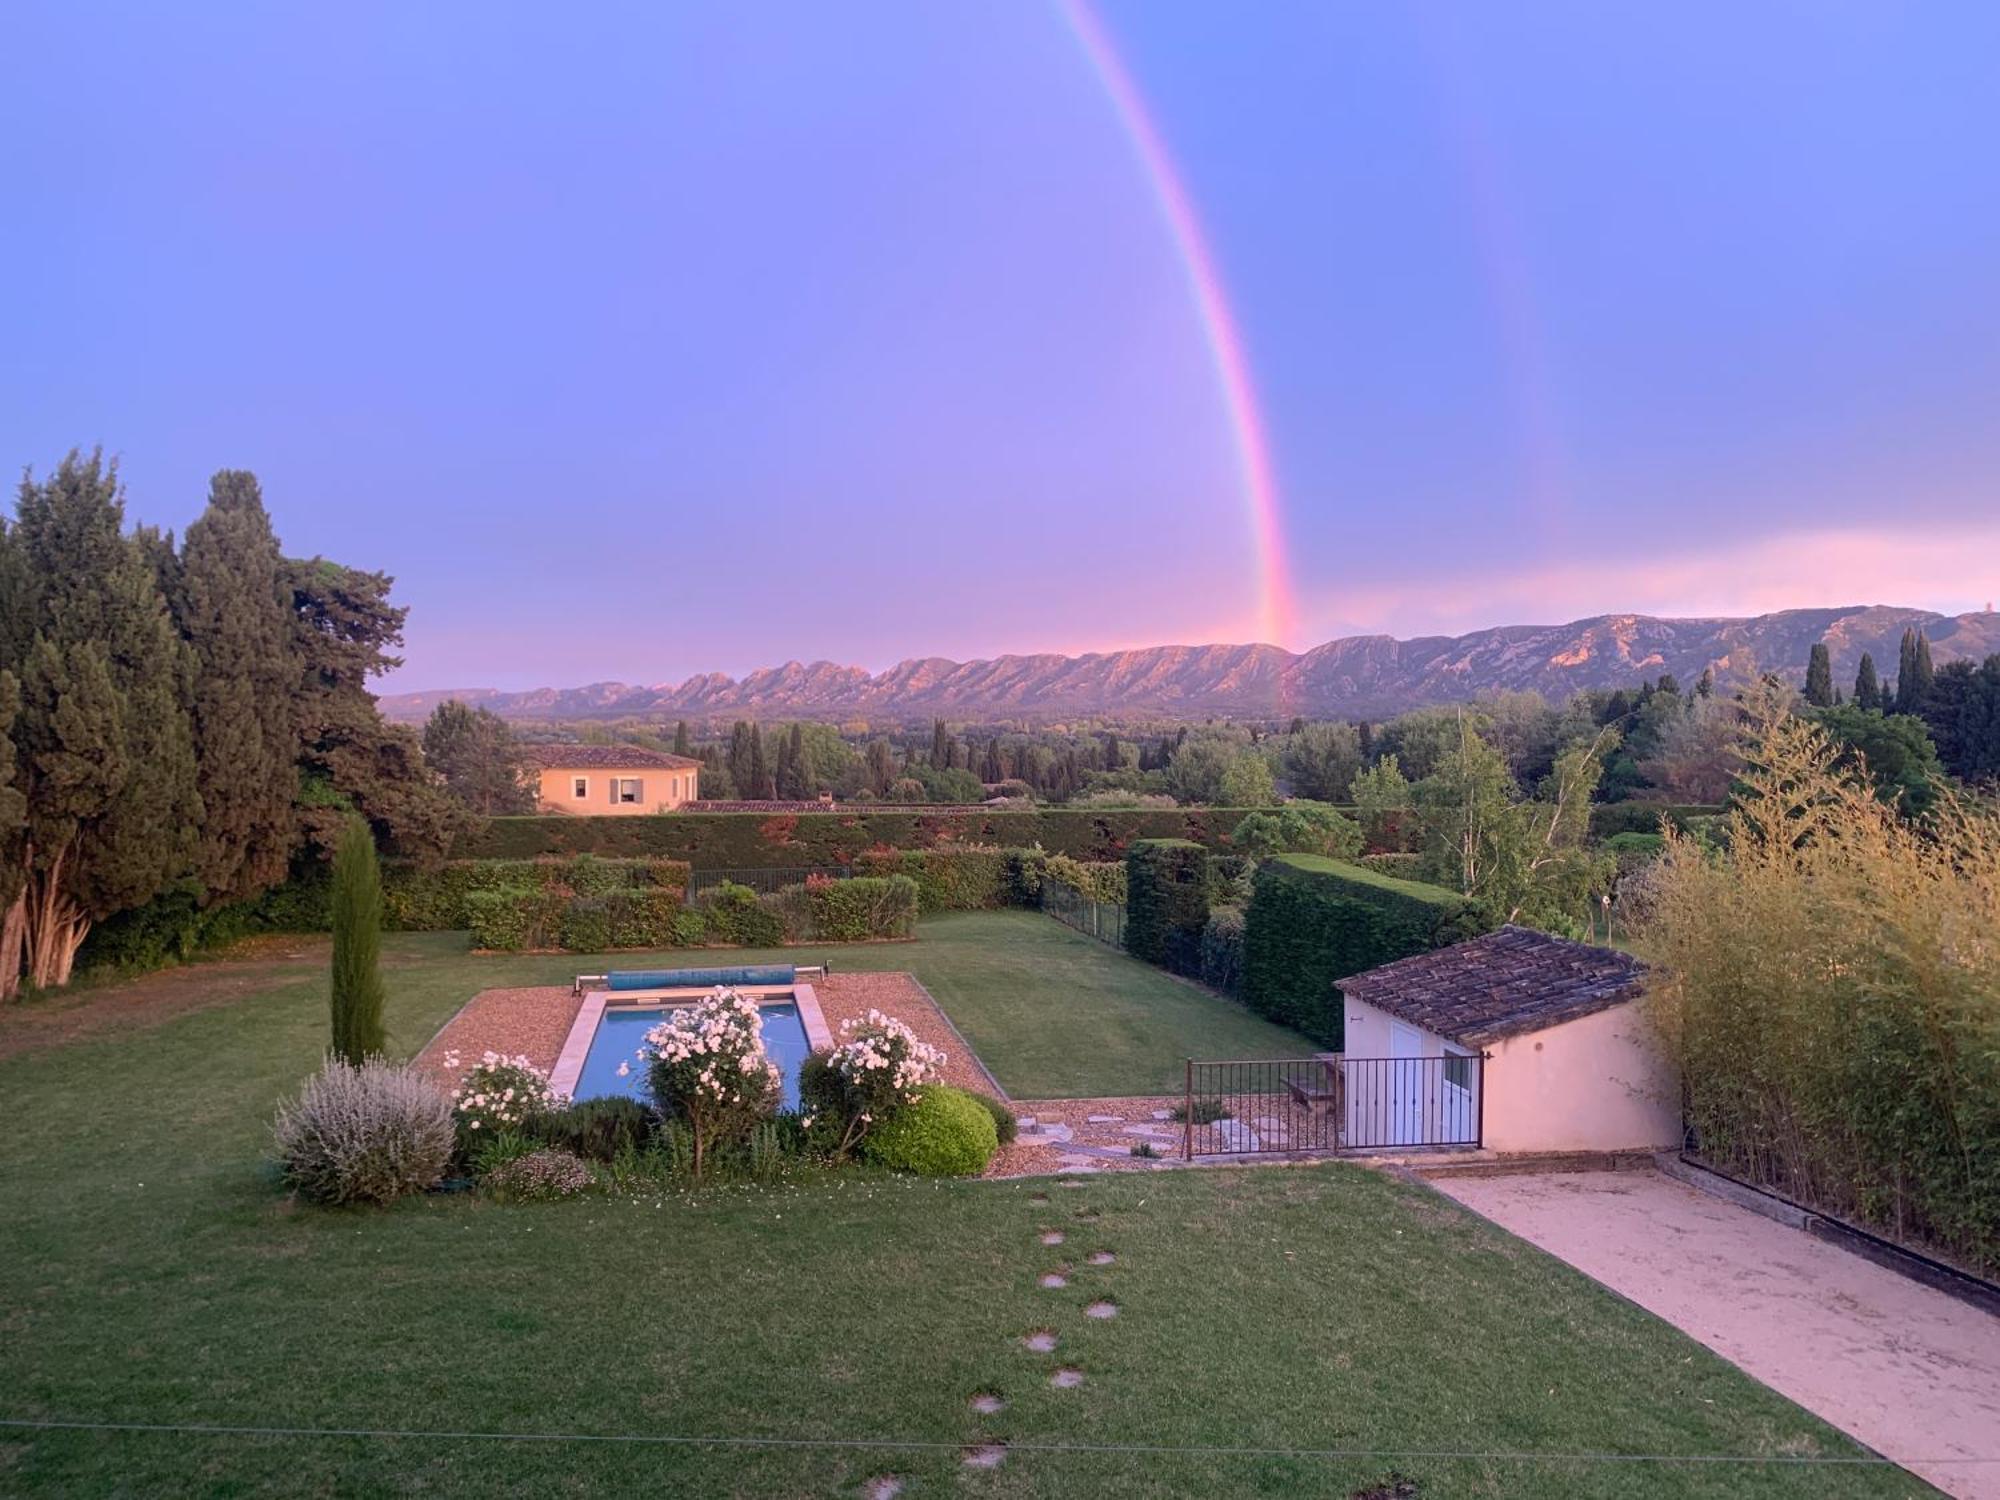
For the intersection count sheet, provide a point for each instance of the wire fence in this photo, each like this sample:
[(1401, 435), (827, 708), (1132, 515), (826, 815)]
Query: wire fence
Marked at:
[(1103, 920)]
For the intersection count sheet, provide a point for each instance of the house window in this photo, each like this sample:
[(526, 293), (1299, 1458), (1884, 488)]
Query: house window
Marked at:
[(628, 789), (579, 787), (1458, 1070)]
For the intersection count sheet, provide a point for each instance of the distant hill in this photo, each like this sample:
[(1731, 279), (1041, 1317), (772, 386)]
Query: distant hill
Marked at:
[(1364, 675)]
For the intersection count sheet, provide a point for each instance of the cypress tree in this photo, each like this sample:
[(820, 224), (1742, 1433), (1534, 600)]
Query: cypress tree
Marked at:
[(1819, 677), (801, 759), (246, 691), (681, 740), (739, 759), (13, 819), (1704, 686), (104, 745), (1906, 672), (940, 745), (1925, 676), (1867, 690), (357, 942), (761, 784), (993, 771)]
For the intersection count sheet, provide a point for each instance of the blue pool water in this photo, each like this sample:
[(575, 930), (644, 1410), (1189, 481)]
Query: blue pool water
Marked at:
[(622, 1031)]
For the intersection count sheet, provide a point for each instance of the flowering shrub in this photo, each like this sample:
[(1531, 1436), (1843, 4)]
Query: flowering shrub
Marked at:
[(539, 1175), (366, 1134), (501, 1093), (880, 1067), (706, 1067)]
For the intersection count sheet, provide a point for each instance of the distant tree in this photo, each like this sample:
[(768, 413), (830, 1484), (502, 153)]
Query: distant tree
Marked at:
[(1819, 677), (713, 781), (1382, 802), (1913, 671), (682, 742), (741, 773), (763, 786), (1299, 827), (227, 595), (940, 745), (357, 940), (104, 742), (1194, 770), (993, 770), (1867, 689), (480, 759), (1962, 711), (1696, 756), (1320, 761), (795, 779), (880, 761), (1421, 738), (1670, 684), (1704, 686), (1247, 782), (1902, 763)]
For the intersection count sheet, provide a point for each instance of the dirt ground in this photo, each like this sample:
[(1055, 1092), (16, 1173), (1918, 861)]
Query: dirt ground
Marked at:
[(1909, 1371)]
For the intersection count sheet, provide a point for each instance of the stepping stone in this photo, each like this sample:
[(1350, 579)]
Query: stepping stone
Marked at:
[(1101, 1309), (1042, 1341), (1102, 1119), (1052, 1236), (1101, 1257), (1068, 1378), (1038, 1197), (1054, 1281), (986, 1403), (1026, 1122), (1163, 1114), (1045, 1133), (984, 1455), (1234, 1135), (1074, 1184), (883, 1487)]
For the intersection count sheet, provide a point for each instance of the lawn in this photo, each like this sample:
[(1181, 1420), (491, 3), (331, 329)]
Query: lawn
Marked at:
[(157, 1275)]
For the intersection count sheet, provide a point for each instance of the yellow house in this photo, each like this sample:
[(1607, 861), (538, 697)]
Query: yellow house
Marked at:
[(611, 779)]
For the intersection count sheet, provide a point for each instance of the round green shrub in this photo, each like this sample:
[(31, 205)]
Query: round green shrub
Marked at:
[(1004, 1123), (946, 1133)]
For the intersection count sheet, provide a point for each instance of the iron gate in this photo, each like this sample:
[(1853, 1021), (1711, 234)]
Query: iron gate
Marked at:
[(1331, 1103)]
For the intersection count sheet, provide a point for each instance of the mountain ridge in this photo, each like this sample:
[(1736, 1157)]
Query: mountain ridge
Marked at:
[(1361, 675)]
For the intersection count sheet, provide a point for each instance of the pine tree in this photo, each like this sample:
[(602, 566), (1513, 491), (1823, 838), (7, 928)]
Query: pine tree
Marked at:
[(481, 761), (1819, 677), (357, 941), (1704, 686), (104, 744), (226, 594), (1867, 691), (681, 739)]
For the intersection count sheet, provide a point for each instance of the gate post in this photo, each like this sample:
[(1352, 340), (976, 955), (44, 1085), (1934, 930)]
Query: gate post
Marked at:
[(1187, 1115)]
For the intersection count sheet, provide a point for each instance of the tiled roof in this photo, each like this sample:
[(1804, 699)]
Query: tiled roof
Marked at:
[(1507, 983), (605, 758)]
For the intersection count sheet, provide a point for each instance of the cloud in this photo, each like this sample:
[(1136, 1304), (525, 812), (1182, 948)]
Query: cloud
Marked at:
[(1950, 569)]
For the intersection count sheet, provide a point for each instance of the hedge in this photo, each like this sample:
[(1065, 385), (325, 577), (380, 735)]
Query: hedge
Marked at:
[(1166, 903), (948, 879), (1313, 921), (518, 917), (868, 906), (415, 899), (825, 840), (1608, 818)]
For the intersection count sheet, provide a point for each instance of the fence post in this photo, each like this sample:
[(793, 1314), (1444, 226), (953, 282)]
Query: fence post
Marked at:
[(1187, 1115)]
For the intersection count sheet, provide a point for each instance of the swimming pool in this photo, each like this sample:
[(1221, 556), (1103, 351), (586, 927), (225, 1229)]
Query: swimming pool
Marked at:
[(621, 1031)]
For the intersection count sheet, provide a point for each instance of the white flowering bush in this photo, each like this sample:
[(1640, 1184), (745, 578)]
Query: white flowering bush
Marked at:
[(366, 1134), (500, 1093), (706, 1067), (880, 1067)]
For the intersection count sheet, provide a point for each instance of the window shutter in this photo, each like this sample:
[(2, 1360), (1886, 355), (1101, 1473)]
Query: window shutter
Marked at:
[(639, 791), (612, 781)]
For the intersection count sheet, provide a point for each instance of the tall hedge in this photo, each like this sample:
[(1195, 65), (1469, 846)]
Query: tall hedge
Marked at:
[(1166, 903), (824, 840), (948, 879), (415, 899), (1313, 921)]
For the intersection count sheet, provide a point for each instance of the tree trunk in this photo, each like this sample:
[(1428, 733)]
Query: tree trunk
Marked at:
[(55, 927), (13, 944)]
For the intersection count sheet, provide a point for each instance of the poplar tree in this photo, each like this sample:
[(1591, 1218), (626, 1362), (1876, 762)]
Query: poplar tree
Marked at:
[(1819, 677), (103, 738), (227, 594), (1867, 690), (356, 988)]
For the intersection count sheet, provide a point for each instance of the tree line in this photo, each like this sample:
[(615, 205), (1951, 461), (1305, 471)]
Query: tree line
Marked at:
[(184, 716)]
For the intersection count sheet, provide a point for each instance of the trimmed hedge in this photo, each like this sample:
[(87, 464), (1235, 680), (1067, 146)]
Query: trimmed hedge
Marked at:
[(866, 907), (1166, 903), (825, 840), (415, 899), (948, 879), (1222, 950), (1313, 921), (1608, 818)]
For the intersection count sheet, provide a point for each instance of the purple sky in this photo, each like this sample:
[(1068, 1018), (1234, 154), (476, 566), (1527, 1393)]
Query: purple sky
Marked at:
[(645, 341)]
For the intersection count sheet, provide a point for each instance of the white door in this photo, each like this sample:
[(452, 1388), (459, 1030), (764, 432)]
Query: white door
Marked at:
[(1406, 1085), (1458, 1124)]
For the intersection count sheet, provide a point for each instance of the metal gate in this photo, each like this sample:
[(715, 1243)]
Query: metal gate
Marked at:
[(1331, 1103)]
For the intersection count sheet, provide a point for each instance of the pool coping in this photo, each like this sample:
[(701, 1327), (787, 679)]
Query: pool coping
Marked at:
[(563, 1078)]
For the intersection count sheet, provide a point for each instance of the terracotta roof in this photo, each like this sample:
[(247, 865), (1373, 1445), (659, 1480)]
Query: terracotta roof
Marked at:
[(605, 758), (1507, 983)]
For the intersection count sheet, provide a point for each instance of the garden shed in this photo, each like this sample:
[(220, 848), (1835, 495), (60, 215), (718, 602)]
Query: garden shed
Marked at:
[(1519, 1040)]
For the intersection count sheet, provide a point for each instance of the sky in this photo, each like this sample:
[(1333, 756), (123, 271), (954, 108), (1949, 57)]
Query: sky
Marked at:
[(641, 341)]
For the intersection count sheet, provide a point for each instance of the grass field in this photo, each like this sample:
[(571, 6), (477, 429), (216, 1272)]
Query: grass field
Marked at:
[(156, 1275)]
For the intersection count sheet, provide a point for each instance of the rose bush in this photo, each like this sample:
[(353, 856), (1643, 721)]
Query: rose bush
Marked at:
[(880, 1067), (501, 1093), (706, 1067)]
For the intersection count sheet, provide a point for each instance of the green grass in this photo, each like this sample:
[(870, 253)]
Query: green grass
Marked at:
[(157, 1275)]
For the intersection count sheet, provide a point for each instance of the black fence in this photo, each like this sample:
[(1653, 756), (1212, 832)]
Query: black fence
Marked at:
[(1103, 920), (1331, 1103)]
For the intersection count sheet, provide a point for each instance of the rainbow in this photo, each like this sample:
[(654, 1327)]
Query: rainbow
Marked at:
[(1277, 613)]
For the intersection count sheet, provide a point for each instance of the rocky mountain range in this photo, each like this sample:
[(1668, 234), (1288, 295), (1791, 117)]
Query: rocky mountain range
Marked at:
[(1367, 675)]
